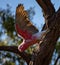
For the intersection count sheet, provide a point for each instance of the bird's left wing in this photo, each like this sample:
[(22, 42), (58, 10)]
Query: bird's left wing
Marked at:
[(23, 21)]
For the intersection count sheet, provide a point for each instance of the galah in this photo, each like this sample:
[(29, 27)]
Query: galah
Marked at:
[(26, 29)]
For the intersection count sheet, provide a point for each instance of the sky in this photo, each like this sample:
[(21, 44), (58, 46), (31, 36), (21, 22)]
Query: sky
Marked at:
[(38, 18)]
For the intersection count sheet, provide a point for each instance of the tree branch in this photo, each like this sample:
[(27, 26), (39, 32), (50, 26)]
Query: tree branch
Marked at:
[(47, 7), (14, 49)]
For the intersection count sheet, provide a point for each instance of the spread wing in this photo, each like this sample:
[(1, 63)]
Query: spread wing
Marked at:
[(23, 21)]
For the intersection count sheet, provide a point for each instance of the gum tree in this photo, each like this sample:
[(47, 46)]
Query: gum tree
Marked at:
[(43, 54)]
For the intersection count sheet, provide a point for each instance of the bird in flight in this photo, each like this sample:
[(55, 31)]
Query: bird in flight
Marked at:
[(28, 32)]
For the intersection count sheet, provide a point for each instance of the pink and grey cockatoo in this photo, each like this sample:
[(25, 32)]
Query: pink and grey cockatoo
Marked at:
[(26, 29)]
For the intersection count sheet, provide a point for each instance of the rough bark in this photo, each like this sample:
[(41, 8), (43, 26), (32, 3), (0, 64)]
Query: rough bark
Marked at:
[(43, 54)]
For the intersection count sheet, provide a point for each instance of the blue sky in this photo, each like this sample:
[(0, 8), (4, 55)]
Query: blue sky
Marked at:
[(38, 18)]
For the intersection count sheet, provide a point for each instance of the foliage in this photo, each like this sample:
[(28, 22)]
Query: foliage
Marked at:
[(58, 46), (8, 58), (8, 22), (31, 13), (7, 30)]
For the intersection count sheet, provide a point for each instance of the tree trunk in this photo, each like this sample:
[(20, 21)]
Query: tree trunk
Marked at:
[(44, 53)]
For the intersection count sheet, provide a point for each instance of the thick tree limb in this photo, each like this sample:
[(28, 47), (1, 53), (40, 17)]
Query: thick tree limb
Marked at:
[(44, 53), (47, 7), (48, 11), (14, 49)]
